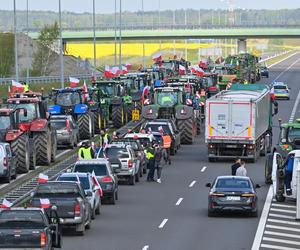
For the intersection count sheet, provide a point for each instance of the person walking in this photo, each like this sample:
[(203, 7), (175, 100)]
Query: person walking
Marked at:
[(241, 171), (86, 152), (157, 161), (235, 166), (150, 157), (167, 141)]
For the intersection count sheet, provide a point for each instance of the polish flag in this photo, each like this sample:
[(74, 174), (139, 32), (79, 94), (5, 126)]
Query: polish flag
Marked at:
[(197, 70), (189, 102), (182, 70), (157, 57), (160, 129), (43, 178), (85, 90), (107, 72), (116, 71), (128, 66), (73, 82), (6, 204), (45, 203), (96, 182), (145, 93), (17, 87), (124, 70)]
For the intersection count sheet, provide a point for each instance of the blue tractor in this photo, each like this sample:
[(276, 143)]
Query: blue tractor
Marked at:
[(72, 101)]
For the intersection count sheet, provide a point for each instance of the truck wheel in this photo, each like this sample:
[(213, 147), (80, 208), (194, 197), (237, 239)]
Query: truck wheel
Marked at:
[(186, 127), (43, 146), (118, 116), (268, 169), (86, 126), (20, 148)]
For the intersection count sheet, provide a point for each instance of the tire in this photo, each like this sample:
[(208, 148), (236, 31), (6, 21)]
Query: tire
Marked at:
[(93, 214), (117, 116), (129, 112), (98, 208), (137, 177), (131, 180), (186, 127), (199, 123), (43, 147), (268, 169), (8, 178), (89, 225), (112, 199), (97, 121), (86, 126), (210, 213), (32, 159), (54, 147), (20, 148), (254, 214)]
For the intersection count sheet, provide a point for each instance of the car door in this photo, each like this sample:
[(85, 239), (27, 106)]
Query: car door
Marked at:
[(95, 190), (113, 175), (86, 204), (10, 159), (277, 164)]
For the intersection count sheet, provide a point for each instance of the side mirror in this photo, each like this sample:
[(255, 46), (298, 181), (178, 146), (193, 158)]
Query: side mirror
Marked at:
[(257, 186), (88, 193), (208, 185)]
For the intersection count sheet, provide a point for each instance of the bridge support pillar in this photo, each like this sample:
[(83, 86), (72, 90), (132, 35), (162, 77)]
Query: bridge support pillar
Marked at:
[(242, 45)]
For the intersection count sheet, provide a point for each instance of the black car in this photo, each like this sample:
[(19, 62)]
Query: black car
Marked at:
[(232, 193), (264, 72), (28, 228)]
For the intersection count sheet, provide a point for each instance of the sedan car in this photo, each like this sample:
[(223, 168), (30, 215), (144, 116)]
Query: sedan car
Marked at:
[(7, 163), (281, 90), (264, 72), (228, 193), (66, 129)]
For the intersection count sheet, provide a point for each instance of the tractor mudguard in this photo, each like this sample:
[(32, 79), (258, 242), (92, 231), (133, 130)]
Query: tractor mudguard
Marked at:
[(81, 109), (54, 110), (12, 135), (116, 101), (150, 112), (183, 112), (39, 125)]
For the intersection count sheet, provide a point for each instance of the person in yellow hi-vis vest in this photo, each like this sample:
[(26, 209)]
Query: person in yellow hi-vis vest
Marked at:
[(26, 87), (86, 152)]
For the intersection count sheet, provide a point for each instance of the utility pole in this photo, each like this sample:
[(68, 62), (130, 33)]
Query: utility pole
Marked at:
[(61, 57), (94, 36), (115, 32), (16, 43), (27, 42), (120, 36)]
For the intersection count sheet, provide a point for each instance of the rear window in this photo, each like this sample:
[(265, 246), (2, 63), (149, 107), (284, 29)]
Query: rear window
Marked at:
[(99, 169), (27, 218), (133, 144), (233, 183), (84, 181), (57, 188), (58, 124), (155, 128), (280, 87), (119, 153)]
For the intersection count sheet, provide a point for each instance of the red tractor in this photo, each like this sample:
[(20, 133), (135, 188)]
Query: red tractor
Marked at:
[(36, 123), (18, 139)]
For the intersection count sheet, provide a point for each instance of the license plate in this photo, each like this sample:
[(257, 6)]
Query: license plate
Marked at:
[(135, 115), (233, 198), (115, 165)]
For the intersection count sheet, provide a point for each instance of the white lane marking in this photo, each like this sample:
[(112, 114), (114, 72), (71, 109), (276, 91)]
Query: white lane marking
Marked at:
[(63, 153), (283, 211), (283, 228), (278, 247), (284, 222), (145, 247), (203, 169), (179, 201), (291, 242), (263, 220), (274, 64), (163, 223), (296, 236), (282, 216), (192, 184), (282, 205), (295, 108)]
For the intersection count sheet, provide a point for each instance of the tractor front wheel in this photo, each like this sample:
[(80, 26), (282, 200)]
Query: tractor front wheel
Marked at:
[(20, 148), (186, 128), (43, 147), (86, 126)]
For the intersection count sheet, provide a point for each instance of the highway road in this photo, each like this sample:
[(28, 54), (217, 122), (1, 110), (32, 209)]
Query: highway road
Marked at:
[(173, 215)]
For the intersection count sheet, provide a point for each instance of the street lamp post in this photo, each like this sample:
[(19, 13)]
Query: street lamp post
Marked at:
[(61, 48), (16, 43), (94, 36)]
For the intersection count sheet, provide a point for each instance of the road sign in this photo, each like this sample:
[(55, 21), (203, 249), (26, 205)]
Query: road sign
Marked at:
[(135, 115)]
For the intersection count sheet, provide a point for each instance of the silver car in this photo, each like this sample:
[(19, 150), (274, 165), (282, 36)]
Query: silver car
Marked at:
[(66, 129), (7, 163)]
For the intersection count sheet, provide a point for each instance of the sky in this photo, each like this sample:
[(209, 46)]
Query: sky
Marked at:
[(107, 6)]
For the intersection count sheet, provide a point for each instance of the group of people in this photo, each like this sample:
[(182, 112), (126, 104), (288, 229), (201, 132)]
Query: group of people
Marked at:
[(238, 168)]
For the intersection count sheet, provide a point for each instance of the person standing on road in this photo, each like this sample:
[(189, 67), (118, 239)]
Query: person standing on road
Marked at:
[(167, 141), (104, 139), (289, 166), (86, 152), (235, 166), (150, 157), (157, 161), (241, 171)]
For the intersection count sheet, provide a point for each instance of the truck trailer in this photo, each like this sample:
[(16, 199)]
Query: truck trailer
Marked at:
[(239, 122)]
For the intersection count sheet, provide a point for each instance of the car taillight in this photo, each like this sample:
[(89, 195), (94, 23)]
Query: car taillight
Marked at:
[(5, 162), (216, 195), (77, 209), (130, 164), (68, 125), (106, 179), (43, 239), (248, 195)]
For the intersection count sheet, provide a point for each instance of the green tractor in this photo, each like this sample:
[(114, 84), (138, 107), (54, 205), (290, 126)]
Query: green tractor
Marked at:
[(168, 103)]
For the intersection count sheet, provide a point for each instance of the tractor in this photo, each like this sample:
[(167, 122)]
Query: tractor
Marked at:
[(42, 136), (72, 101), (12, 133), (168, 103), (171, 66)]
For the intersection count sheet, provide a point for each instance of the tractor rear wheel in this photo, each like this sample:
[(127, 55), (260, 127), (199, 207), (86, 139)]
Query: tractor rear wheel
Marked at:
[(186, 128), (20, 148), (43, 146), (32, 158), (118, 116), (54, 147), (199, 123), (98, 125), (86, 126)]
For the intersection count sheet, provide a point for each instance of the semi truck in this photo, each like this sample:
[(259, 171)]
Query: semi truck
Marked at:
[(239, 122)]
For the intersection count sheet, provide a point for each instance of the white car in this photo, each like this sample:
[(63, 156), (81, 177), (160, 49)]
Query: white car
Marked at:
[(142, 137)]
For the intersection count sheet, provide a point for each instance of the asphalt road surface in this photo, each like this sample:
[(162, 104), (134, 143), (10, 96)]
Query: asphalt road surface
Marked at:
[(173, 215)]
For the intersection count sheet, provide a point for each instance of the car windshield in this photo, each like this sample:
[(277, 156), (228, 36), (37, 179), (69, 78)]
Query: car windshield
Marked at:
[(31, 111), (280, 87), (84, 181), (158, 138), (232, 183), (57, 188), (133, 144), (59, 124), (293, 133), (155, 127), (21, 218), (4, 122), (208, 81), (68, 99), (168, 99), (107, 89), (119, 153), (99, 169)]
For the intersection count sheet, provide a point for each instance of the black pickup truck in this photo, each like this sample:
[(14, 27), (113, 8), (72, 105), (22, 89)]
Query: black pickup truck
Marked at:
[(73, 207), (28, 228)]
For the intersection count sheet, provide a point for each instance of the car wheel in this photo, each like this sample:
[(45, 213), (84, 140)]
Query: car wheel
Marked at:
[(210, 213), (98, 209), (112, 200), (8, 178), (88, 226), (93, 214), (132, 180), (137, 177)]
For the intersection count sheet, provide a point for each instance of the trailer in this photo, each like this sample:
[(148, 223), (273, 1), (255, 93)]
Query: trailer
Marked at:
[(239, 122)]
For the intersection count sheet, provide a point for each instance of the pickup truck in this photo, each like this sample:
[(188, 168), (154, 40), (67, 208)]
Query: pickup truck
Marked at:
[(73, 207), (28, 228)]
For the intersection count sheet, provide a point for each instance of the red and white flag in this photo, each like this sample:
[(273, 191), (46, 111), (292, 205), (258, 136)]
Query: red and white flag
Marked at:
[(124, 70), (45, 203), (157, 57), (6, 204), (182, 70), (96, 182), (160, 129), (128, 66), (116, 71), (107, 72), (43, 178), (189, 102), (197, 70), (145, 93), (74, 82), (17, 87)]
